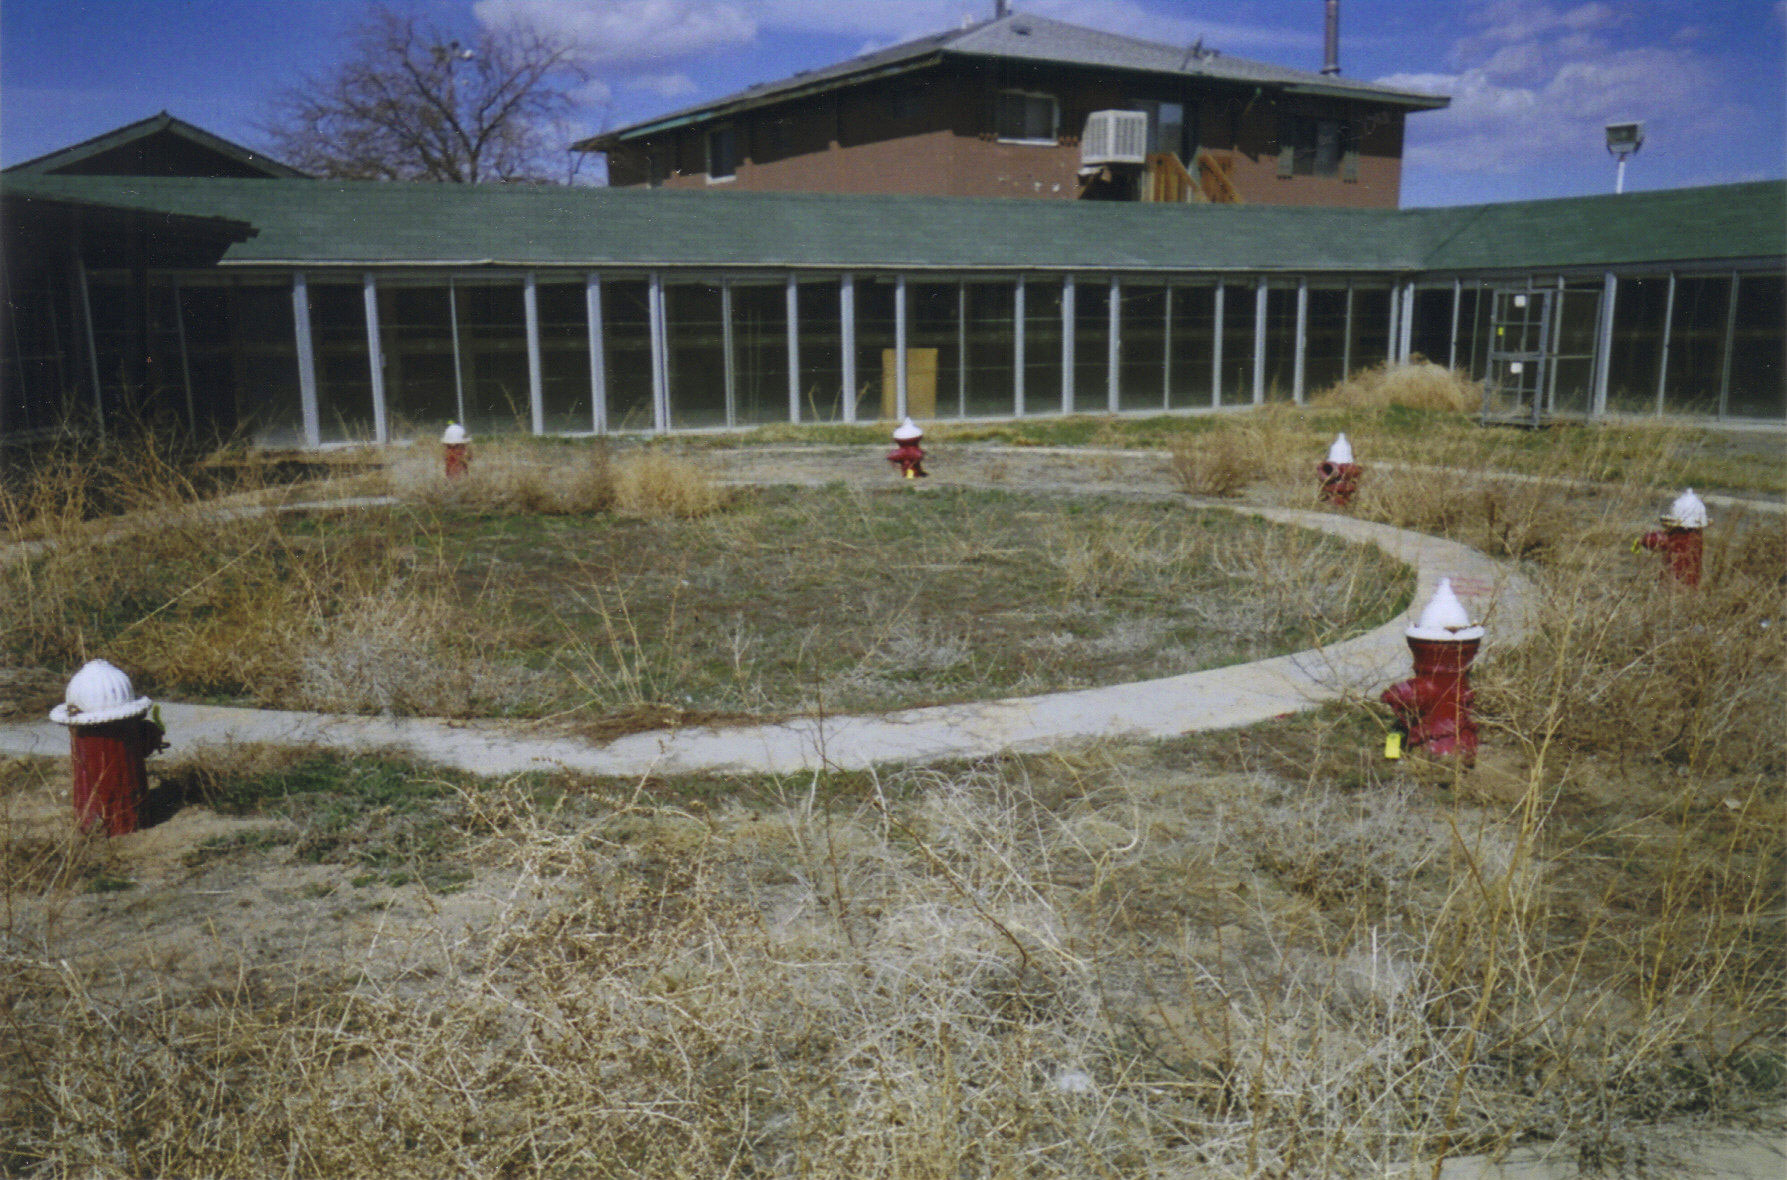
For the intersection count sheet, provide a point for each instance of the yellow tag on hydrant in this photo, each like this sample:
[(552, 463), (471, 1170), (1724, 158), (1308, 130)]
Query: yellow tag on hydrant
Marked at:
[(1393, 745)]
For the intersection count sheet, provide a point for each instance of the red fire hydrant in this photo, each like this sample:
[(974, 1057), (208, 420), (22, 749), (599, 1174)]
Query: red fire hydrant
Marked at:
[(1679, 540), (1433, 709), (109, 736), (456, 446), (1340, 475), (907, 453)]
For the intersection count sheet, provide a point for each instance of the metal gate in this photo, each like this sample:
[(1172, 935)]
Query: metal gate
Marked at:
[(1516, 380)]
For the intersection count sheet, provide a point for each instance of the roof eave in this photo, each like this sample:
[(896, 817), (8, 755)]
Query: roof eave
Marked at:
[(611, 139)]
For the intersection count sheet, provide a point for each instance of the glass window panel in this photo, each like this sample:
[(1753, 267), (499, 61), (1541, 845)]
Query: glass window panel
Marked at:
[(1281, 343), (1758, 374), (933, 343), (343, 368), (1091, 345), (1697, 345), (1142, 344), (1042, 346), (1475, 305), (1192, 341), (243, 356), (1637, 351), (1431, 332), (416, 338), (760, 344), (1573, 367), (695, 329), (821, 329), (1325, 343), (1371, 326), (875, 330), (627, 353), (564, 355), (1238, 315), (991, 354), (493, 357)]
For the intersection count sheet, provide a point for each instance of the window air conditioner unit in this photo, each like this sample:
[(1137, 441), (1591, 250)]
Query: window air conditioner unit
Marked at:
[(1114, 137)]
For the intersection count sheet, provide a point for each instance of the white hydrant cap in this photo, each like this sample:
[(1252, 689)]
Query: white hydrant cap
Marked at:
[(1444, 618), (1688, 511), (98, 693), (908, 431), (1341, 451), (454, 435)]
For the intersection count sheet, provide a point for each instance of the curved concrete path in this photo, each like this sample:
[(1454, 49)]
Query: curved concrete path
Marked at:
[(1219, 698)]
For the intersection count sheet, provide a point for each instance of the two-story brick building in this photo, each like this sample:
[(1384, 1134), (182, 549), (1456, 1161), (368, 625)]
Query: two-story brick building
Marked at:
[(998, 109)]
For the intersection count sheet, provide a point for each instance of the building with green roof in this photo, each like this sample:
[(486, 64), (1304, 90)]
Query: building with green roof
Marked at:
[(312, 312)]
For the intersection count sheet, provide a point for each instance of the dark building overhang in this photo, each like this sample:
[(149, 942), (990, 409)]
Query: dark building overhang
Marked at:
[(160, 145)]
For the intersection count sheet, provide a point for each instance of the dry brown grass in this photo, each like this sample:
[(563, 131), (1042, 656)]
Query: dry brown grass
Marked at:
[(1261, 955), (1213, 463), (1418, 385)]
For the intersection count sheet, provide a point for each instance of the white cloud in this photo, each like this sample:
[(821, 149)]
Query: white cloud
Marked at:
[(630, 32), (666, 85), (1538, 82), (647, 33)]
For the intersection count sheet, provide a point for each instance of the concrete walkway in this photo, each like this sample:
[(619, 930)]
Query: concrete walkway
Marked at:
[(1219, 698)]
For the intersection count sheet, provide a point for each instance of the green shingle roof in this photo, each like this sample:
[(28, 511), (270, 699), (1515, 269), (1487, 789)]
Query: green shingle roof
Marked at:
[(372, 224)]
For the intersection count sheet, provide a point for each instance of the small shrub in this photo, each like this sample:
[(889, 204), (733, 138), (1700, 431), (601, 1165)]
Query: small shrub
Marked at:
[(1212, 463), (654, 483), (1418, 385)]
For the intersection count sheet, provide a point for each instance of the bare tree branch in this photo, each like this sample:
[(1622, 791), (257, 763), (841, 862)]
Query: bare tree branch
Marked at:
[(411, 103)]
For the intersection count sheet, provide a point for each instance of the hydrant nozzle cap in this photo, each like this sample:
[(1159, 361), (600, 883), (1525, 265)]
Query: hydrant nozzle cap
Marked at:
[(908, 431), (454, 435), (1688, 512), (1444, 618), (98, 693), (1341, 451)]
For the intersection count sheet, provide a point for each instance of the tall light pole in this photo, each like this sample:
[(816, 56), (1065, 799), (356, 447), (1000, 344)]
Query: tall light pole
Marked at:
[(1623, 141)]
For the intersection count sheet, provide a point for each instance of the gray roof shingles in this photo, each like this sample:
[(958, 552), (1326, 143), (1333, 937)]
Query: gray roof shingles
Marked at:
[(1027, 37)]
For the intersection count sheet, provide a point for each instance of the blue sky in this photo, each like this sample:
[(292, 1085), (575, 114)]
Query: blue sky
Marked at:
[(1533, 82)]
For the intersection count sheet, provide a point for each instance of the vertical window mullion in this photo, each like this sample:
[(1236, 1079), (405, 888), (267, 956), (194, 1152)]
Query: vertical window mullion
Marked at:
[(192, 416), (458, 364), (726, 346), (1166, 349), (1297, 352), (598, 361), (313, 429), (847, 328), (530, 316), (1216, 352), (1603, 344), (1730, 341), (80, 269), (1113, 346), (900, 410), (1668, 328), (375, 360), (1017, 341), (961, 349), (1452, 347), (1259, 342), (1067, 343), (791, 302), (654, 306)]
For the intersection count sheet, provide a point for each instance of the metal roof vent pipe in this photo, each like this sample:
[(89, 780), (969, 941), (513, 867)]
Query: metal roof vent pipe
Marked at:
[(1331, 41), (1001, 9)]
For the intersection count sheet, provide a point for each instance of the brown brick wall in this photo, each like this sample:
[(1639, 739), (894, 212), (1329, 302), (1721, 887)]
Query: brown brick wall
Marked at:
[(933, 134)]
